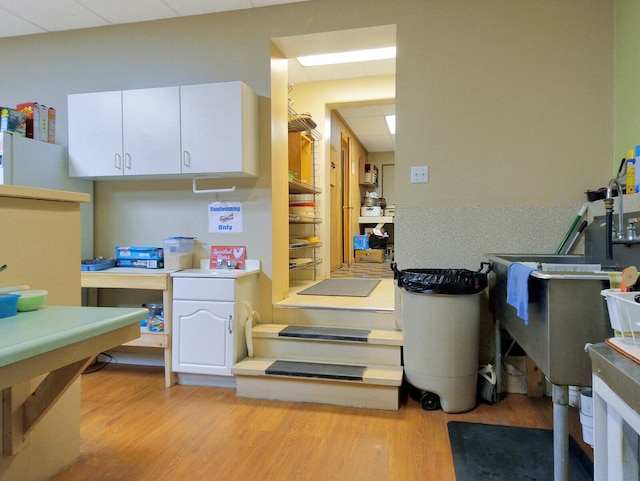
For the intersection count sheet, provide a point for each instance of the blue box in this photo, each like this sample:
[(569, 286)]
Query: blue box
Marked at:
[(360, 242), (139, 253)]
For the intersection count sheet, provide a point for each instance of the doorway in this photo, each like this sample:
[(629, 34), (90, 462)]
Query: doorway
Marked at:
[(312, 93), (347, 208)]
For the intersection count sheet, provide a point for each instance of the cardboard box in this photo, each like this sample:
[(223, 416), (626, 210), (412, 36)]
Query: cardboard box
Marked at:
[(51, 135), (44, 123), (13, 121), (141, 263), (360, 242), (32, 112), (370, 255)]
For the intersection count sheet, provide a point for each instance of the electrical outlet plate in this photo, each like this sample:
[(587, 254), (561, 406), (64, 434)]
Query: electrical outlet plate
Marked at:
[(419, 174)]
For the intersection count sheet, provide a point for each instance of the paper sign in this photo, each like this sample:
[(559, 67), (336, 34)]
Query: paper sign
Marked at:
[(230, 255), (225, 217)]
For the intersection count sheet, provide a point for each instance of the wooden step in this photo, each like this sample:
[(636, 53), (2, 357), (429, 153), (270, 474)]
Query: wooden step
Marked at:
[(377, 387), (330, 344), (372, 336), (334, 316)]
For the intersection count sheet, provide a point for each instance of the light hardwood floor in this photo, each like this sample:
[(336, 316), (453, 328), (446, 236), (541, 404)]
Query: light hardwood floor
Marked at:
[(135, 429)]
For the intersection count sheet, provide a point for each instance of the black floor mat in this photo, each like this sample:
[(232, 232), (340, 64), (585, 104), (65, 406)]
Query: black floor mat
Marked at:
[(335, 333), (504, 453), (318, 370)]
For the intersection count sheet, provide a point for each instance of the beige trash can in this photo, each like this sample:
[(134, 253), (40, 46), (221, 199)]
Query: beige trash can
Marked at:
[(441, 336)]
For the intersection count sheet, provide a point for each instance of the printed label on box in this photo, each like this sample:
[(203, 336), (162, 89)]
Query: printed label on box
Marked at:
[(229, 255)]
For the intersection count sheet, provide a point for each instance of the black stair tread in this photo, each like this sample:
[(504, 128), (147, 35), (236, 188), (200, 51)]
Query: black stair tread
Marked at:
[(317, 370), (319, 332)]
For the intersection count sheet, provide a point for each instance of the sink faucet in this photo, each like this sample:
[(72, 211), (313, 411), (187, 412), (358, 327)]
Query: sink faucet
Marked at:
[(608, 204)]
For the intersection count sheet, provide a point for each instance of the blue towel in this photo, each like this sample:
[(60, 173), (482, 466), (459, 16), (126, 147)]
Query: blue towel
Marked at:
[(518, 288)]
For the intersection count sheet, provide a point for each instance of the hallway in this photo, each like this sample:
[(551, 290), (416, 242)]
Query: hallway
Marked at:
[(370, 270)]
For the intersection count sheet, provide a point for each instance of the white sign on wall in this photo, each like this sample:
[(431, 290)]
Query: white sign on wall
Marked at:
[(225, 217)]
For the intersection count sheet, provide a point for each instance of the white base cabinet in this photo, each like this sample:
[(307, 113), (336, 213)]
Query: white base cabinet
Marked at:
[(203, 337), (209, 315)]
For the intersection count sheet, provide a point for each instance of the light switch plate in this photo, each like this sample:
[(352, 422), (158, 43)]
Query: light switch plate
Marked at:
[(419, 174)]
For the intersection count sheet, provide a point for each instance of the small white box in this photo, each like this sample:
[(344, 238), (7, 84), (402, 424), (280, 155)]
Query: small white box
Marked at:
[(371, 211), (514, 377)]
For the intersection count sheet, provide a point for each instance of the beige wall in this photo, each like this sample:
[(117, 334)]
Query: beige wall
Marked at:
[(508, 103)]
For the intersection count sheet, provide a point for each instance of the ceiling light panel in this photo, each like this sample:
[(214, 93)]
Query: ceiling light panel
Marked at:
[(352, 56)]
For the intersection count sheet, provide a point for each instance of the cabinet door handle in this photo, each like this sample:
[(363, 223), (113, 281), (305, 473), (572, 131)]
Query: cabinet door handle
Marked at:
[(230, 324), (127, 161), (118, 161), (186, 158)]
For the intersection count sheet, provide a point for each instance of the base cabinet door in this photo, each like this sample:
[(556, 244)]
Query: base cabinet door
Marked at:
[(203, 337)]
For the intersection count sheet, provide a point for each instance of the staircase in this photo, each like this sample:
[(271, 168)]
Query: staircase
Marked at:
[(340, 355)]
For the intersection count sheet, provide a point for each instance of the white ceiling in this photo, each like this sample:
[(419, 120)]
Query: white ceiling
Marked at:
[(29, 17), (26, 17)]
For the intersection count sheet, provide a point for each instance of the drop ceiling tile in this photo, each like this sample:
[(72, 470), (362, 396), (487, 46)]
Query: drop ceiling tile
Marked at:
[(15, 26), (53, 15), (266, 3), (377, 143), (371, 125), (199, 7), (128, 11)]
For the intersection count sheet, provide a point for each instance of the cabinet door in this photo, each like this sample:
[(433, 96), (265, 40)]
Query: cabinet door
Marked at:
[(203, 337), (95, 134), (219, 129), (151, 131)]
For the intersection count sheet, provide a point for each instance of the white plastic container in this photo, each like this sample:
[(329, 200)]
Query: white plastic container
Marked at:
[(371, 211), (302, 209), (178, 252), (624, 314), (586, 402), (586, 415)]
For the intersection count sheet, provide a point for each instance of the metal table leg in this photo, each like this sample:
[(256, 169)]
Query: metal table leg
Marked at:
[(560, 396)]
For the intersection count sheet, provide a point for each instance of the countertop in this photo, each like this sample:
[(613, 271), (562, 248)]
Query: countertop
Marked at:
[(42, 194), (29, 334), (251, 267), (619, 372)]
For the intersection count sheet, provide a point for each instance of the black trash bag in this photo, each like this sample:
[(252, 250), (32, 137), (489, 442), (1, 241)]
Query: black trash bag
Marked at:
[(377, 241), (441, 281)]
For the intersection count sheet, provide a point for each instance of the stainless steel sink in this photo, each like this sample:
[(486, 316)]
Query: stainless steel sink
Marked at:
[(566, 311)]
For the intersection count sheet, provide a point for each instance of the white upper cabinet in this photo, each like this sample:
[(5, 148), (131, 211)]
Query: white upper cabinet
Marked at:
[(219, 126), (95, 134), (151, 131), (208, 129)]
